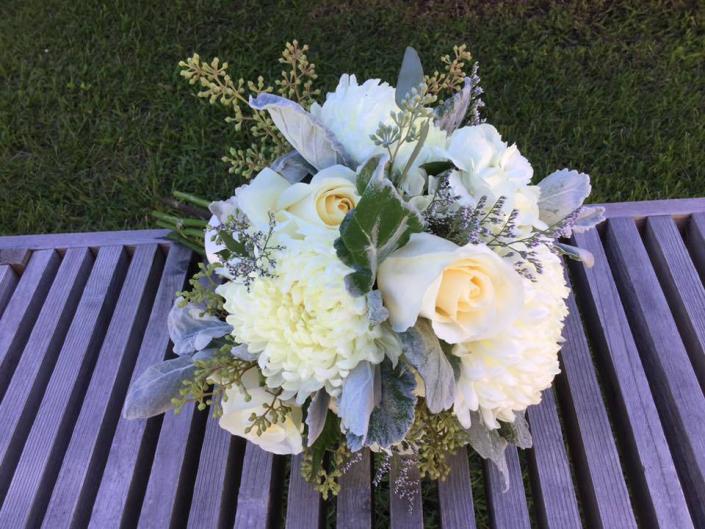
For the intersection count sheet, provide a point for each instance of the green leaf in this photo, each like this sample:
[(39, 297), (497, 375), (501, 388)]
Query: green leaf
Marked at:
[(381, 223), (370, 170), (231, 244), (327, 439), (410, 75), (436, 168)]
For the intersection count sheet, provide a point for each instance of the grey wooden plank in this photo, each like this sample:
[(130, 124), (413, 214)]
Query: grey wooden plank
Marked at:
[(405, 505), (455, 494), (218, 479), (15, 257), (354, 502), (681, 207), (85, 455), (39, 356), (258, 499), (170, 486), (676, 388), (82, 240), (598, 468), (8, 282), (681, 285), (696, 242), (508, 508), (305, 507), (22, 309), (32, 482), (651, 468), (554, 494), (124, 477)]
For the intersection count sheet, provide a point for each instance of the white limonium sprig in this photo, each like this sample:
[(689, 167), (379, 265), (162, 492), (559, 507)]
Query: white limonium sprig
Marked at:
[(390, 277)]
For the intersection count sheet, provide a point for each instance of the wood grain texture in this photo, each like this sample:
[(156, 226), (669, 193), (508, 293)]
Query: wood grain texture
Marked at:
[(124, 477), (21, 311), (83, 240), (218, 479), (258, 498), (41, 457), (85, 455), (455, 494), (15, 257), (34, 368), (554, 495), (405, 507), (598, 468), (682, 286), (354, 503), (696, 242), (8, 282), (679, 208), (651, 467), (508, 508), (676, 388), (304, 504)]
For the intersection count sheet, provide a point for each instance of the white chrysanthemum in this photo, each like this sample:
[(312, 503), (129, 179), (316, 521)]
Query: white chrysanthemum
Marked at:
[(306, 329), (354, 112), (506, 374)]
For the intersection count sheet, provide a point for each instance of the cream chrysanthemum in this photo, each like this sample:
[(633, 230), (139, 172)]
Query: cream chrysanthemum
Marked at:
[(506, 374), (307, 331)]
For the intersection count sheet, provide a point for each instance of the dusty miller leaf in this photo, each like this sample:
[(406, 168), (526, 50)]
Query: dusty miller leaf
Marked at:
[(410, 75), (293, 167), (191, 330), (588, 218), (394, 415), (313, 141), (357, 399), (316, 416), (422, 349), (562, 193), (242, 352), (450, 114), (381, 223), (576, 253), (153, 390), (489, 445), (376, 311), (517, 432)]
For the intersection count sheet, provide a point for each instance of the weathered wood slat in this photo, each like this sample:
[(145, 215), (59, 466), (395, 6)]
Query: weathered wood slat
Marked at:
[(604, 490), (85, 455), (682, 285), (120, 492), (678, 208), (15, 257), (354, 503), (675, 386), (34, 368), (696, 242), (41, 457), (8, 282), (455, 494), (508, 508), (656, 485), (554, 495), (22, 310), (405, 507), (305, 507), (258, 498), (83, 240), (170, 485)]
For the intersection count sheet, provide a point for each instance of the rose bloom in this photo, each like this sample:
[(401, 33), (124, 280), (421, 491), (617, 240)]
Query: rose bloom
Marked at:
[(280, 438), (468, 292)]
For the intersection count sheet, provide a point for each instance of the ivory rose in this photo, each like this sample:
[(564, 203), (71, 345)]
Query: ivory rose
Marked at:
[(468, 293), (280, 438)]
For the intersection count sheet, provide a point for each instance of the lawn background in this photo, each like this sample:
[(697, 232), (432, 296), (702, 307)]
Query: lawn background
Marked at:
[(96, 125)]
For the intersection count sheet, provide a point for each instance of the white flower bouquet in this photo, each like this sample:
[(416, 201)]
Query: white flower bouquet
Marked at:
[(389, 277)]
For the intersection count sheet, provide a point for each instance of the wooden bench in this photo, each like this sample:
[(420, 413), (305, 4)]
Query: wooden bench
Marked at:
[(620, 443)]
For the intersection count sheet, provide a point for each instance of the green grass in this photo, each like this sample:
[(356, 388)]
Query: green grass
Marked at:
[(96, 125)]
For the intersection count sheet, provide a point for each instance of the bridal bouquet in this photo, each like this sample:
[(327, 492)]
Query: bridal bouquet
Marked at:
[(388, 278)]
